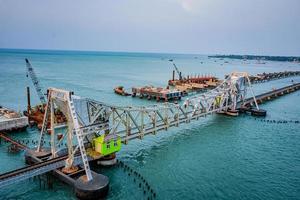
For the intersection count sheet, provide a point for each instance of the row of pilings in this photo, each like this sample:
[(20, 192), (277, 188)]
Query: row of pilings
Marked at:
[(264, 77), (138, 178)]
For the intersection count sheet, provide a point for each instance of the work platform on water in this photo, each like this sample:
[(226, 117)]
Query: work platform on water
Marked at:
[(10, 120), (96, 130), (157, 93), (184, 85), (193, 83)]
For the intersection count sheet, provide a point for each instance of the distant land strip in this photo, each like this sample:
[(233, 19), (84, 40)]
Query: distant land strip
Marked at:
[(255, 57)]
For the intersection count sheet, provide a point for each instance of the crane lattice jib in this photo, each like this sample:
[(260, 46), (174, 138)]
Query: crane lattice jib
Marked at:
[(35, 81), (177, 70)]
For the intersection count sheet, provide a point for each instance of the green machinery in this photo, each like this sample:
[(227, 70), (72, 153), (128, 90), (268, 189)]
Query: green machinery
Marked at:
[(107, 145)]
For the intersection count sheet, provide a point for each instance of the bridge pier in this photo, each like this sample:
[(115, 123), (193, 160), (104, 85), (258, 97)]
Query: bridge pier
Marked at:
[(109, 160), (31, 155), (259, 112), (96, 188)]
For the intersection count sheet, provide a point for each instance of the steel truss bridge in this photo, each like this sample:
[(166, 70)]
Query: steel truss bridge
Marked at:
[(87, 118)]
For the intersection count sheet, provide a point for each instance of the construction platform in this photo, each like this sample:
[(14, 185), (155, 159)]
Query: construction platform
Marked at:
[(36, 116), (157, 93), (194, 83), (10, 120)]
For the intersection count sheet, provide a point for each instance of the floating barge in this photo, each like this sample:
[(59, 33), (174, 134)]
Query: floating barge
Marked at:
[(157, 93), (36, 113), (121, 91), (10, 120), (36, 116)]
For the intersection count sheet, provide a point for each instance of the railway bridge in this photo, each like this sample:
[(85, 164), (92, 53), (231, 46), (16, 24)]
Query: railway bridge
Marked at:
[(95, 130)]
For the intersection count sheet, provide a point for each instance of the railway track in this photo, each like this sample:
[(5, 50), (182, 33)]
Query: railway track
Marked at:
[(273, 94), (31, 171), (135, 122), (27, 172)]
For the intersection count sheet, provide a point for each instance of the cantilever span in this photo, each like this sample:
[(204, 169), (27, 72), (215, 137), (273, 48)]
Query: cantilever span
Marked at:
[(96, 119), (88, 119)]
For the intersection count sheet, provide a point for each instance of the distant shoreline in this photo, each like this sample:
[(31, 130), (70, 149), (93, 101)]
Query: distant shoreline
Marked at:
[(165, 55), (256, 57)]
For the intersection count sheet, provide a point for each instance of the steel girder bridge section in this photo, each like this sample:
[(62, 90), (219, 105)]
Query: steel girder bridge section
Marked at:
[(88, 118)]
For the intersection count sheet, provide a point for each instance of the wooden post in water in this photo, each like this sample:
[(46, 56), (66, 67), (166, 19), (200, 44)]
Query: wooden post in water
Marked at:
[(173, 76), (28, 104)]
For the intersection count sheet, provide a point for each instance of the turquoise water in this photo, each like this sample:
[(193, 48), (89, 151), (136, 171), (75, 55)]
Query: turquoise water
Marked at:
[(217, 157)]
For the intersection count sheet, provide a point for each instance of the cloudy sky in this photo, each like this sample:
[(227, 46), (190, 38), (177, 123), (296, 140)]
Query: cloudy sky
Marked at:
[(269, 27)]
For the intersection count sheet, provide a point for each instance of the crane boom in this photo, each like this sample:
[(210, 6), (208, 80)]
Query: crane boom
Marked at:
[(177, 70), (35, 81)]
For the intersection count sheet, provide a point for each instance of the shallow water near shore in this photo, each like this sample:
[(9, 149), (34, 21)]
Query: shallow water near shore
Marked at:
[(217, 157)]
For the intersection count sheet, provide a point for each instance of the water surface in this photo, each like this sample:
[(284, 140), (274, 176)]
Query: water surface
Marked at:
[(218, 157)]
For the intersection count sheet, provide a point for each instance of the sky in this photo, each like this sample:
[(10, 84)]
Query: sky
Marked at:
[(260, 27)]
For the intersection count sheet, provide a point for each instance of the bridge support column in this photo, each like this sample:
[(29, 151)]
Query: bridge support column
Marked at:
[(260, 112), (31, 155), (109, 160), (97, 188)]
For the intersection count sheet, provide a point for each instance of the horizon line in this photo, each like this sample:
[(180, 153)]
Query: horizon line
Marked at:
[(144, 52)]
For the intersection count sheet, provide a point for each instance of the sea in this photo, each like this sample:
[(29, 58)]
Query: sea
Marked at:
[(217, 157)]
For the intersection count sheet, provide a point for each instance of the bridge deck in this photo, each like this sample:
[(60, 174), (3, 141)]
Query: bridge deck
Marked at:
[(272, 94), (34, 170), (55, 163)]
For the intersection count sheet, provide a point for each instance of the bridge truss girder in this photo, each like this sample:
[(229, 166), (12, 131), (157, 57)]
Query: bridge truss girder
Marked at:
[(88, 117)]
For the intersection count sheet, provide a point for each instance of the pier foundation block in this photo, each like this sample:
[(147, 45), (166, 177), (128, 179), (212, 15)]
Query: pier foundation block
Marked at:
[(30, 154), (108, 160), (259, 112), (97, 188)]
